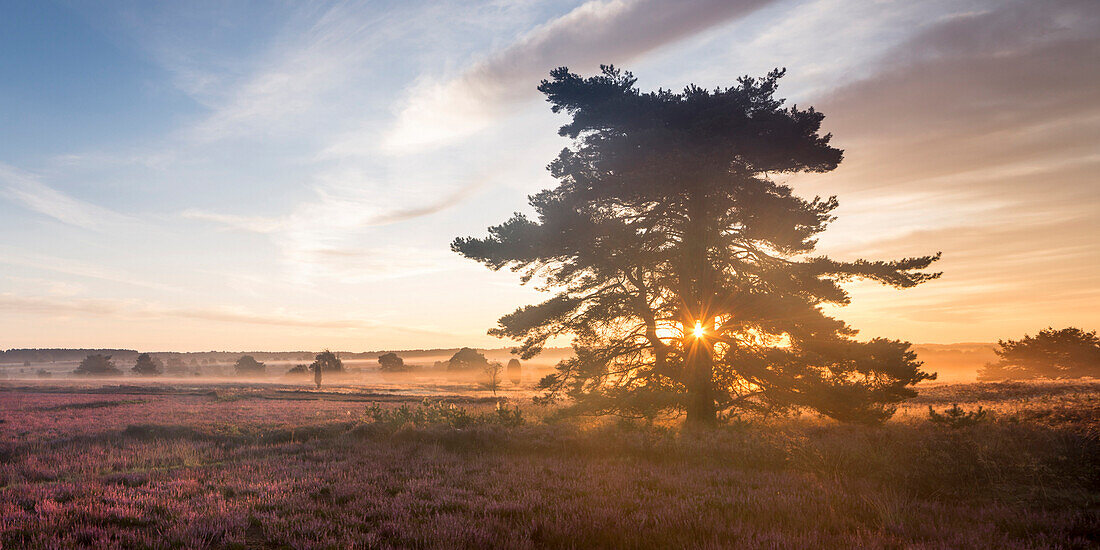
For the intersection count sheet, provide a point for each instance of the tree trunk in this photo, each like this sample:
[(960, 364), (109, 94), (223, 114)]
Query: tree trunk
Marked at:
[(700, 358), (700, 364)]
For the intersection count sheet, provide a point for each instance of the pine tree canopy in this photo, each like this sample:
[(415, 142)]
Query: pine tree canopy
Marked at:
[(683, 270)]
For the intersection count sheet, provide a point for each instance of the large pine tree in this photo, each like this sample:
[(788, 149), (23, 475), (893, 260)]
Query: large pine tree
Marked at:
[(684, 272)]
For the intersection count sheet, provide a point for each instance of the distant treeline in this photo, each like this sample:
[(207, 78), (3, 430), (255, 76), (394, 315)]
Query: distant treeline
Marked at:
[(952, 361), (53, 355)]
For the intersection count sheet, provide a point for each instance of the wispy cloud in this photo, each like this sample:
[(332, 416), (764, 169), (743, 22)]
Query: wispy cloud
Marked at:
[(318, 238), (28, 191), (251, 224), (105, 310), (137, 309), (612, 31), (317, 55), (15, 257), (976, 137), (338, 207)]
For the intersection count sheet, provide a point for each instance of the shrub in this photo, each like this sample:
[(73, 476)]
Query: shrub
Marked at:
[(248, 365), (97, 365), (1058, 354), (328, 362), (467, 359), (438, 413), (515, 371), (146, 366), (956, 417), (390, 362)]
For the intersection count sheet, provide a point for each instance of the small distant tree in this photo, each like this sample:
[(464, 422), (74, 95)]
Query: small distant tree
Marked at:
[(492, 373), (146, 366), (248, 365), (97, 365), (299, 369), (390, 362), (1057, 354), (467, 359), (328, 362), (515, 371)]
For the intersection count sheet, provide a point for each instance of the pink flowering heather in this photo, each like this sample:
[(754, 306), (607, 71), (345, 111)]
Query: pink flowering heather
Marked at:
[(268, 469)]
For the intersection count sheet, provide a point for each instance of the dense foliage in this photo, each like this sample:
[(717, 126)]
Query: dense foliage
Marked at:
[(467, 359), (327, 361), (146, 366), (684, 271), (391, 362), (248, 365), (515, 371), (97, 364), (1066, 353)]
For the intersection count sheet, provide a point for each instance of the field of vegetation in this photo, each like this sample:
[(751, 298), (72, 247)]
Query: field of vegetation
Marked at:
[(259, 467)]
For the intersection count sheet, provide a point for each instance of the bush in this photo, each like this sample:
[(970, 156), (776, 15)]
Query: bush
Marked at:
[(956, 417), (438, 413), (146, 366), (467, 359), (248, 365), (1057, 354), (97, 365), (390, 362), (327, 362)]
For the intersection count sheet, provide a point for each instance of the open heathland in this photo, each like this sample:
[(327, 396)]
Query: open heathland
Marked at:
[(266, 467)]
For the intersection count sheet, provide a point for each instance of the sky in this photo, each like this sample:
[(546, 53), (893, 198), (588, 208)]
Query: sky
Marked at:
[(281, 175)]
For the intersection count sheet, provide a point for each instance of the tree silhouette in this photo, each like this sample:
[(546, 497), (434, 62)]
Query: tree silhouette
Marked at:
[(515, 371), (492, 376), (390, 362), (683, 270), (467, 359), (248, 365), (1066, 353), (145, 366), (97, 365), (328, 362)]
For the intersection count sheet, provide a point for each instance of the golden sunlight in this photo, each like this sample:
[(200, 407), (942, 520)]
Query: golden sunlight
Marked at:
[(699, 329)]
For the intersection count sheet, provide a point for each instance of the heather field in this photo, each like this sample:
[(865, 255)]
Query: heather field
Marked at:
[(264, 466)]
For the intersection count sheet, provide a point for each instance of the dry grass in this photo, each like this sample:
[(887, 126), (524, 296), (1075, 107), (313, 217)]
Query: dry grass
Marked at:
[(254, 468)]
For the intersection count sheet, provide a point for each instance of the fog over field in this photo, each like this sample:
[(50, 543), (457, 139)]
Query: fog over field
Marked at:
[(951, 362)]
